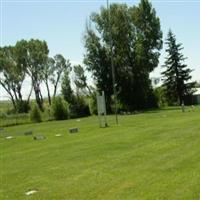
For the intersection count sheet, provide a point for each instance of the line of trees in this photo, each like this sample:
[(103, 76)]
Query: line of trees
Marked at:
[(132, 35), (30, 59), (136, 40)]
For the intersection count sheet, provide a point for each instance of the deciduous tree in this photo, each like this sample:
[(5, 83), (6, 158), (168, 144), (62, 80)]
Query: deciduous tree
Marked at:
[(36, 58), (135, 37), (80, 80)]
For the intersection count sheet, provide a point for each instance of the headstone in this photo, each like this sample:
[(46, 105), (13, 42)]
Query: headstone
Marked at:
[(73, 130), (1, 129), (28, 133), (9, 137), (101, 107), (58, 135), (39, 137), (183, 107), (31, 192)]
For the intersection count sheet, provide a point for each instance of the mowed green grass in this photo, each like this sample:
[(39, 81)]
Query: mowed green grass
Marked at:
[(149, 156)]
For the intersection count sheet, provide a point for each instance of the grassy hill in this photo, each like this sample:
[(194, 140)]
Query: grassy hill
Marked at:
[(149, 156)]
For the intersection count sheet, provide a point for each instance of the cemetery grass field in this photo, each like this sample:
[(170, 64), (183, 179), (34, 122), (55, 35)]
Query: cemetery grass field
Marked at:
[(148, 156)]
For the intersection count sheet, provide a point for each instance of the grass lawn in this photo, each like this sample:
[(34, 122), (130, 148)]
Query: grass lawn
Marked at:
[(149, 156)]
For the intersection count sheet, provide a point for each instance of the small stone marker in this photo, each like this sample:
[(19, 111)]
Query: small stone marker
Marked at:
[(28, 133), (58, 135), (9, 137), (1, 129), (31, 192), (39, 137), (73, 130), (183, 107)]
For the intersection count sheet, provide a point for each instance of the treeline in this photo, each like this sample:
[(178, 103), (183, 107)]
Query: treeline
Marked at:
[(30, 59), (130, 38)]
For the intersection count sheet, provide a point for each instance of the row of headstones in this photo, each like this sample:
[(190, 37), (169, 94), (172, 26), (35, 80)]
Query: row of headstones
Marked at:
[(41, 137)]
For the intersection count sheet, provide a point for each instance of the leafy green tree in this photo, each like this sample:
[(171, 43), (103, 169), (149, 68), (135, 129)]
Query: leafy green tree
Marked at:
[(13, 72), (176, 75), (161, 96), (53, 71), (134, 35), (66, 89), (36, 58), (35, 114), (98, 62), (79, 108), (80, 80), (6, 72), (60, 65), (47, 72), (59, 108)]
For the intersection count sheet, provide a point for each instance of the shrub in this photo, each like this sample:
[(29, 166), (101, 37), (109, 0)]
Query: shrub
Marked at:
[(59, 108), (161, 96), (22, 106), (152, 100), (79, 108), (93, 104), (35, 114)]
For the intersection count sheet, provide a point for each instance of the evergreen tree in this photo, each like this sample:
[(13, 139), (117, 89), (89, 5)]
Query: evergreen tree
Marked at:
[(176, 75)]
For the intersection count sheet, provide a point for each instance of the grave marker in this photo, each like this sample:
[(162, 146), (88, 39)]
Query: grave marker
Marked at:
[(39, 137), (73, 130), (28, 133), (101, 107)]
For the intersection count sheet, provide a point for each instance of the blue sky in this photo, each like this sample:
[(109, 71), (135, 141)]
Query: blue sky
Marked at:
[(62, 24)]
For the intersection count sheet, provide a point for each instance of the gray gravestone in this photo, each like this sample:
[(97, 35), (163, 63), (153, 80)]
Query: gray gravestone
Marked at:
[(73, 130), (28, 133), (39, 137)]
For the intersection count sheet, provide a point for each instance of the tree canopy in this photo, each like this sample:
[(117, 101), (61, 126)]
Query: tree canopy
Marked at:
[(135, 37)]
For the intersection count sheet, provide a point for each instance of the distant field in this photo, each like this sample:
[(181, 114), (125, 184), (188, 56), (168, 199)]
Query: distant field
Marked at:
[(149, 156), (8, 118), (5, 106)]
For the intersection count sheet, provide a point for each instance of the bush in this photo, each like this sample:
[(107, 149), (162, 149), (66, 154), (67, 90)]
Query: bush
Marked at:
[(93, 104), (161, 96), (23, 107), (35, 114), (152, 99), (79, 108), (59, 108)]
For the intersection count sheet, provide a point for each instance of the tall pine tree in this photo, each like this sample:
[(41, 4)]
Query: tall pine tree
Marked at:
[(177, 74)]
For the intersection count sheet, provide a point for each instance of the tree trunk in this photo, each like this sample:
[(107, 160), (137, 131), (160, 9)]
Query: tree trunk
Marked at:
[(10, 94), (19, 93), (89, 90), (55, 90), (13, 102), (56, 85), (15, 93), (48, 92), (29, 96), (37, 96)]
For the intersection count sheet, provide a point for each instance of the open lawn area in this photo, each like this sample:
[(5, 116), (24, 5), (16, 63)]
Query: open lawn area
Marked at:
[(148, 156)]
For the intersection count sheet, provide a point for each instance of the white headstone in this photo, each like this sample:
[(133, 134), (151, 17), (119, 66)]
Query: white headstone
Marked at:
[(101, 107)]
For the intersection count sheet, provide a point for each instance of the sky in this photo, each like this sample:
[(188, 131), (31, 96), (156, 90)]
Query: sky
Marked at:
[(62, 23)]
